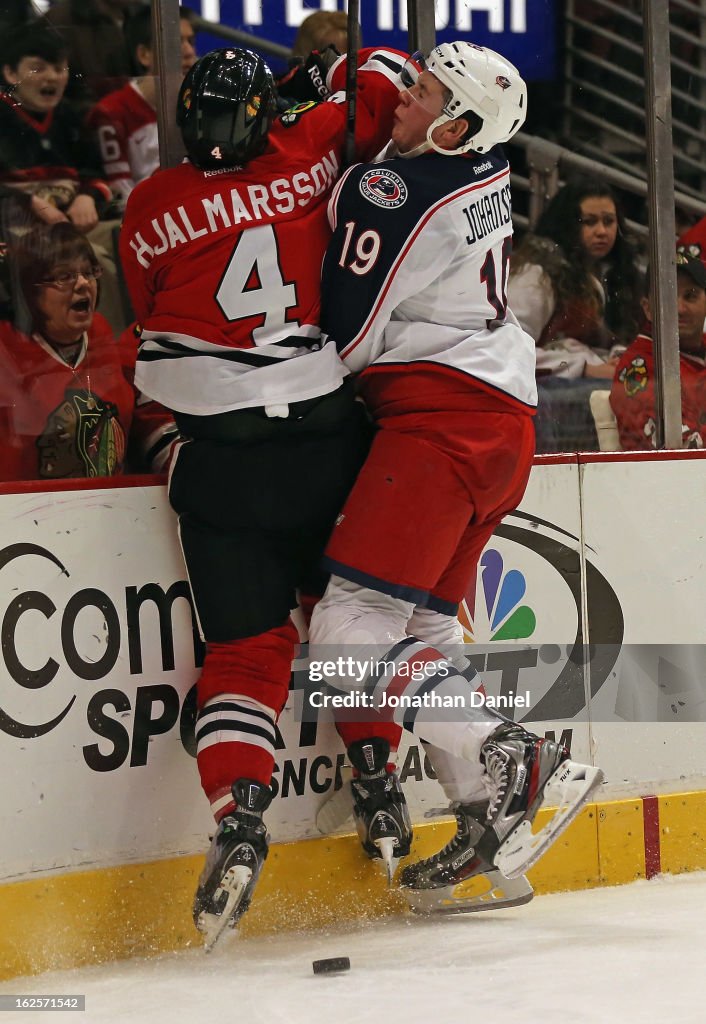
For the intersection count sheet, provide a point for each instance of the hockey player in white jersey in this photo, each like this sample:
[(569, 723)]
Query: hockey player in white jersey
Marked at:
[(414, 294)]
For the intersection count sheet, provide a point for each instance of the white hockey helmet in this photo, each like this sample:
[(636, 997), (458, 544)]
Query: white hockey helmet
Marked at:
[(481, 83)]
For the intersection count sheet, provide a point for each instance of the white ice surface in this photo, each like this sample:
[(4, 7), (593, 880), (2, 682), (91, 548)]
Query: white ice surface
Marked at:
[(631, 954)]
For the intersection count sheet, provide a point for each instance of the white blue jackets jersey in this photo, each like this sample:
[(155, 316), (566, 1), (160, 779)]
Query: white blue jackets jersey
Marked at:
[(417, 271)]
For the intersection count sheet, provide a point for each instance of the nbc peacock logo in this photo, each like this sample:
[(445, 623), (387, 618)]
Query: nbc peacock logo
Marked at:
[(493, 608)]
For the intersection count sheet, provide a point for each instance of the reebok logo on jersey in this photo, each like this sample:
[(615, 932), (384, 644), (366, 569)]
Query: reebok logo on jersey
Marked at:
[(222, 170), (482, 167), (384, 188)]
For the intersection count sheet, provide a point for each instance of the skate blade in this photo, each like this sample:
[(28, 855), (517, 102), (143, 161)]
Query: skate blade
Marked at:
[(490, 891), (389, 861), (522, 848), (213, 926), (337, 809)]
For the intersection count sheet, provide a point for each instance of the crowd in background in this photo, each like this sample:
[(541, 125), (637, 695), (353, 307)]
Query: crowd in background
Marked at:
[(78, 131)]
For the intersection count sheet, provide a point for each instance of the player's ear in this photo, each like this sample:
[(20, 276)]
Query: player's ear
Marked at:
[(458, 129), (451, 134)]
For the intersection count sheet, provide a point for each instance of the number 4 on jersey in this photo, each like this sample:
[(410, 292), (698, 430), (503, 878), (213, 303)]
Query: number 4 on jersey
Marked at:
[(252, 285)]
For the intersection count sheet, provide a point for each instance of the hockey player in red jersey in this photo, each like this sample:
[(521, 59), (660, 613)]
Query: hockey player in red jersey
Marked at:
[(413, 293), (222, 256)]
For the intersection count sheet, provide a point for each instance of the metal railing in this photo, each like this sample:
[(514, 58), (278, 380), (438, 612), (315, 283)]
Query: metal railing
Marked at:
[(605, 85), (546, 162)]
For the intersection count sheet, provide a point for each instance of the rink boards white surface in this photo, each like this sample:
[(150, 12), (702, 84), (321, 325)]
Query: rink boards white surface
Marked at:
[(101, 799)]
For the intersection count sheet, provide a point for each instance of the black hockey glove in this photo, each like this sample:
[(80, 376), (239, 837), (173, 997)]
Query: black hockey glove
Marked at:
[(307, 80)]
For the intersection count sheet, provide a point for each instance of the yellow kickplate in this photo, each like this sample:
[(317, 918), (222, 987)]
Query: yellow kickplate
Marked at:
[(82, 917)]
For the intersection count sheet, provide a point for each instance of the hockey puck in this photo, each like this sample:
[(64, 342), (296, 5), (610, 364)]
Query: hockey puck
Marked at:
[(333, 965)]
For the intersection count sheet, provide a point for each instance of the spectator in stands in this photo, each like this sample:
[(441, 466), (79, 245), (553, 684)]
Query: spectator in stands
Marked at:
[(574, 286), (324, 36), (44, 149), (125, 121), (68, 406), (46, 152), (574, 282), (98, 56), (319, 30), (632, 396)]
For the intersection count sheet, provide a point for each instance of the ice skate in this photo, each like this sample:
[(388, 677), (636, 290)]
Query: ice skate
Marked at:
[(459, 879), (233, 864), (526, 773), (379, 806)]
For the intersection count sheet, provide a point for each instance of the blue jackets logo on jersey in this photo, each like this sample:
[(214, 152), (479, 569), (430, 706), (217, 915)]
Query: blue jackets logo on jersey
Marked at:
[(384, 188)]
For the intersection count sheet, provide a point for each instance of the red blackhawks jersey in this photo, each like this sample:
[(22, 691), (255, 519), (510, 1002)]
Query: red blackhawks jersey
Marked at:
[(223, 268), (125, 126), (59, 421), (632, 397)]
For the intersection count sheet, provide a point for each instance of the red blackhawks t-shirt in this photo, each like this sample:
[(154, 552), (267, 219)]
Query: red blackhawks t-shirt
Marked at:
[(59, 421)]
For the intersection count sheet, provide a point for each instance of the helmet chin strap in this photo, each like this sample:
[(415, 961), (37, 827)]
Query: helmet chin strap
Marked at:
[(390, 151), (443, 119), (423, 147)]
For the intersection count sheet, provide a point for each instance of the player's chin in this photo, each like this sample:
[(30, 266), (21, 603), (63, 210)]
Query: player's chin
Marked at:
[(397, 134)]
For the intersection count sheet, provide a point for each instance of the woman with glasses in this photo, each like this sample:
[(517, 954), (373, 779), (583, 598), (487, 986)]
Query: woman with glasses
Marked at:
[(575, 287), (67, 401)]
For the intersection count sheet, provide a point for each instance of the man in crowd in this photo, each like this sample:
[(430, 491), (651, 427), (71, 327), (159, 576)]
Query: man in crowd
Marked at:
[(632, 395), (125, 121), (413, 292)]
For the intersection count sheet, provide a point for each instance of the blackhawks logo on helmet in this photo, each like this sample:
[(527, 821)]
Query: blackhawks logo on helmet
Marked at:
[(634, 377), (252, 107)]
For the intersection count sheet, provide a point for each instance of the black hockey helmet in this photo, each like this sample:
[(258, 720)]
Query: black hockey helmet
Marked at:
[(225, 106)]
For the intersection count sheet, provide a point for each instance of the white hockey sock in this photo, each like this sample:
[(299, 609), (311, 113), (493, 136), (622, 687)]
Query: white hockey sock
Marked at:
[(431, 699)]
